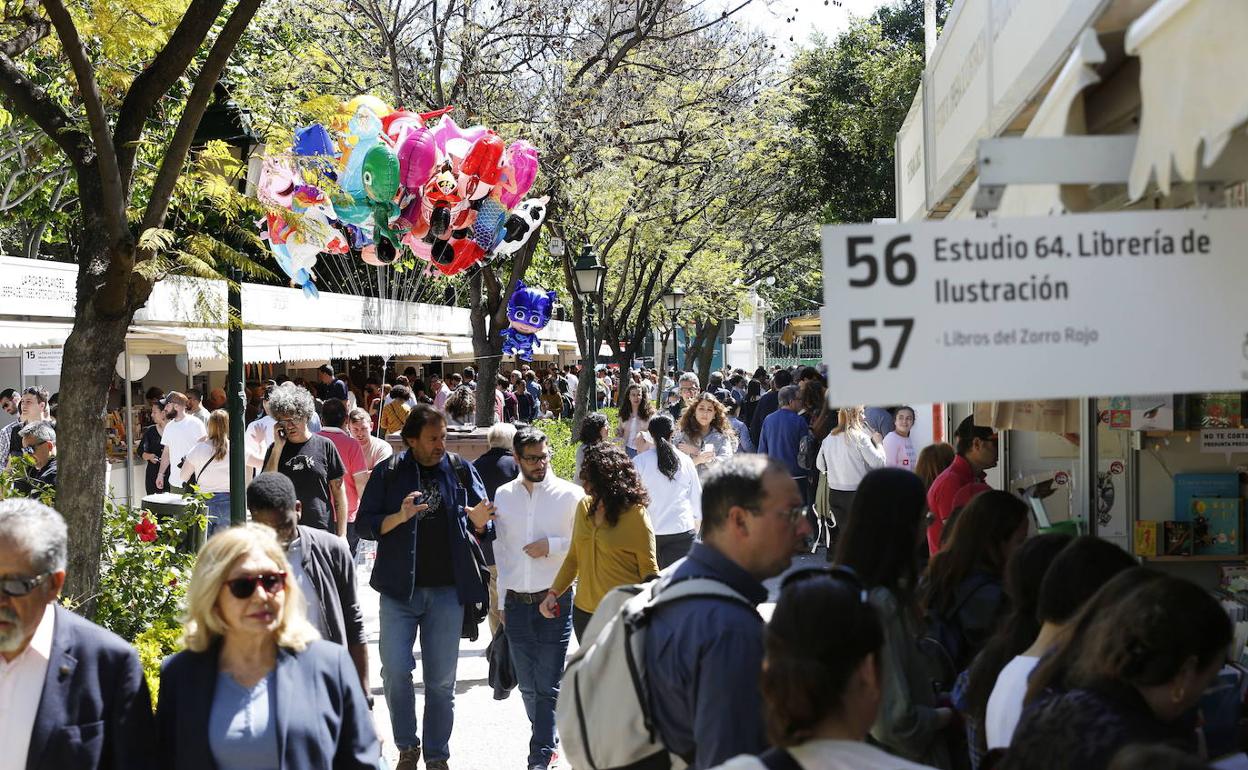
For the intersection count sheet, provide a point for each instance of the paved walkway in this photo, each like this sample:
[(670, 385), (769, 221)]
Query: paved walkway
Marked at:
[(488, 734)]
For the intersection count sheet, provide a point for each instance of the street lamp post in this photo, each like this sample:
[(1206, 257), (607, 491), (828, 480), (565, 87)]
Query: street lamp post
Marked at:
[(590, 274), (673, 302)]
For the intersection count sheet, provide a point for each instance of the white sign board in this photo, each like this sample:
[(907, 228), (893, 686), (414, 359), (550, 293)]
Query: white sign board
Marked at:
[(1043, 307), (41, 362), (36, 287), (1224, 441)]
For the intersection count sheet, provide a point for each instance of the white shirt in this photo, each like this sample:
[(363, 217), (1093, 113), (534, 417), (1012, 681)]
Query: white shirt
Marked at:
[(213, 476), (548, 512), (439, 399), (258, 437), (1005, 705), (181, 436), (378, 451), (200, 414), (632, 427), (316, 613), (832, 755), (847, 457), (676, 503), (21, 687), (899, 451), (573, 381)]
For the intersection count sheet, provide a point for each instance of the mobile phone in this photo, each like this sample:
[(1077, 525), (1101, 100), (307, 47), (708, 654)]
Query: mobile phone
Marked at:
[(281, 432)]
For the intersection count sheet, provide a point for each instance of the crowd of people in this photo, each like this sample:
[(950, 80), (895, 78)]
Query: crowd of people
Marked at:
[(940, 635)]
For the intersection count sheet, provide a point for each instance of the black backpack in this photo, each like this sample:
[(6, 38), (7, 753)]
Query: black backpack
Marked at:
[(945, 644)]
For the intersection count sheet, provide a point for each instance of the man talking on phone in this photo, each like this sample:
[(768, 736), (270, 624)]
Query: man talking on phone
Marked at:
[(423, 507), (311, 462)]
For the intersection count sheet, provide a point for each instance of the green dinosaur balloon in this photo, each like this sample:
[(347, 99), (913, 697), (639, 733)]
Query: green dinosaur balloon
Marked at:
[(381, 173)]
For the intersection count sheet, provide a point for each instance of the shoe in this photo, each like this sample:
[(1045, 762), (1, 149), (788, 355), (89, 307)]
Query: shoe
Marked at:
[(436, 764), (408, 758)]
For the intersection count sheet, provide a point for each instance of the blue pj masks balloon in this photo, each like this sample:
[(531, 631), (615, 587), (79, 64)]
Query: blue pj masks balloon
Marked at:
[(528, 312)]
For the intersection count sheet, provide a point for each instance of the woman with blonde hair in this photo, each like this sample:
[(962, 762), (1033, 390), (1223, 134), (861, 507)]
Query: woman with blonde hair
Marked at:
[(256, 688), (207, 466), (705, 433), (848, 454)]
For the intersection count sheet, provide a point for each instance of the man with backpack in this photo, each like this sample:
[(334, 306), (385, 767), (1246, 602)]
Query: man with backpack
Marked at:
[(694, 636), (425, 507)]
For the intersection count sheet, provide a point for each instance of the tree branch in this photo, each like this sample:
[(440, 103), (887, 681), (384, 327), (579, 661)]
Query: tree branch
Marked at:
[(37, 28), (113, 204), (34, 102)]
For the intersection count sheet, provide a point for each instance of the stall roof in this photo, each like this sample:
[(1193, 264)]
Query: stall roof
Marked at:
[(274, 345), (800, 326), (28, 334)]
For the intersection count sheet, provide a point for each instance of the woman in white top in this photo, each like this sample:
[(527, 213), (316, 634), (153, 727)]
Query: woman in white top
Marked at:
[(635, 414), (209, 462), (671, 478), (848, 453), (705, 433), (899, 451), (821, 680)]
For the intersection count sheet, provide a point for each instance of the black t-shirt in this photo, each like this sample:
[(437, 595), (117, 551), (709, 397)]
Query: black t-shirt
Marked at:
[(310, 466), (336, 389), (433, 532), (150, 444)]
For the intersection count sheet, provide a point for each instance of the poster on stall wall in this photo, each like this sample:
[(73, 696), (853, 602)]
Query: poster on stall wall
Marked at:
[(1045, 416), (1111, 498), (1155, 412)]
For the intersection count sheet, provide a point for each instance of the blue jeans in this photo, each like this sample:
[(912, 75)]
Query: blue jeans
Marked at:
[(218, 512), (438, 617), (538, 647)]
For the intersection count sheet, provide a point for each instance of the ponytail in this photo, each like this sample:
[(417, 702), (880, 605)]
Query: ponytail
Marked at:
[(661, 426)]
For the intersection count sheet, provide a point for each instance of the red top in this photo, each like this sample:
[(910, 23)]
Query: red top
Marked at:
[(353, 460), (942, 494)]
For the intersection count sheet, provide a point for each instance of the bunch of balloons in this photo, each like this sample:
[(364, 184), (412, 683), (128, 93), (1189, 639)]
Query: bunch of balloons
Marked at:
[(386, 182)]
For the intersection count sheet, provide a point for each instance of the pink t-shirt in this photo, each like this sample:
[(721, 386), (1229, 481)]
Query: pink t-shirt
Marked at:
[(353, 460)]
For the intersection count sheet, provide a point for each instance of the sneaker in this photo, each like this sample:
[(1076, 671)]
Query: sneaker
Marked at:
[(408, 758), (436, 764)]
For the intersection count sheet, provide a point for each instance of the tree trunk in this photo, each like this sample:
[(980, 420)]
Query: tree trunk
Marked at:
[(708, 339), (487, 345), (90, 355)]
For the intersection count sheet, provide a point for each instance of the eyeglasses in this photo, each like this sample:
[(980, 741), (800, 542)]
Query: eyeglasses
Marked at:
[(19, 587), (837, 572), (541, 459), (244, 587)]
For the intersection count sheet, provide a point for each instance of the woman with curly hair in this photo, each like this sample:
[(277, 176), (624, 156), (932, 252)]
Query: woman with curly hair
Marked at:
[(705, 433), (460, 406), (612, 539)]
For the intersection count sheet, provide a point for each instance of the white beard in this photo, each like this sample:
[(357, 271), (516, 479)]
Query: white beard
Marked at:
[(11, 640)]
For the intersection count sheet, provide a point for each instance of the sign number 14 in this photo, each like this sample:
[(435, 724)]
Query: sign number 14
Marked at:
[(899, 270)]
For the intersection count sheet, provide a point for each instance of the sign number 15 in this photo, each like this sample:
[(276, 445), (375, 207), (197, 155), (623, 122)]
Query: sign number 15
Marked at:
[(858, 340)]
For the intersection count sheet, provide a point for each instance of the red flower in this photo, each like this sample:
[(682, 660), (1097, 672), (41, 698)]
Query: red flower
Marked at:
[(146, 530)]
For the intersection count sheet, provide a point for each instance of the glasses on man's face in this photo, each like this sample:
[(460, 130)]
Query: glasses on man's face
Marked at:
[(836, 572), (244, 587), (19, 587), (541, 459)]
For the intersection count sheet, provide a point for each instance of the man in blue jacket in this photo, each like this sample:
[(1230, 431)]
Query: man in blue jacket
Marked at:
[(704, 655), (72, 695), (782, 435), (422, 507)]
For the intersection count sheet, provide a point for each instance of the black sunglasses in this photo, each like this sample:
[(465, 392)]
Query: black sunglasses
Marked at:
[(836, 572), (244, 587), (19, 587)]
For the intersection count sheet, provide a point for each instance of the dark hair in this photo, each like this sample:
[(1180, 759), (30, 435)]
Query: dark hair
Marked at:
[(501, 381), (820, 633), (879, 539), (1155, 756), (403, 380), (420, 416), (195, 393), (809, 373), (153, 394), (982, 528), (754, 390), (38, 391), (1016, 633), (782, 378), (1081, 569), (661, 426), (1145, 638), (8, 393), (326, 369), (614, 480), (333, 413), (1051, 674), (737, 481), (645, 411), (526, 436), (933, 460), (418, 386), (591, 429), (400, 393), (909, 409), (271, 492), (470, 373), (967, 432)]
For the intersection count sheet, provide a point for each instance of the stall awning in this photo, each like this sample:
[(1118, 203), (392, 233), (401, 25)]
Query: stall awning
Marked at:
[(389, 345), (800, 326), (25, 334), (273, 345), (1189, 91)]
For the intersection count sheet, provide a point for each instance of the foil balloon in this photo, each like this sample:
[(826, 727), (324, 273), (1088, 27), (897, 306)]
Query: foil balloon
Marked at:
[(276, 186), (528, 311), (418, 246), (521, 225), (363, 133), (481, 168), (372, 103), (313, 140), (453, 141), (399, 123), (455, 256), (487, 231), (519, 172), (418, 154)]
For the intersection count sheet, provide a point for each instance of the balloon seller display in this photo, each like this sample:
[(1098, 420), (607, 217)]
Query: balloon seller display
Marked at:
[(394, 186)]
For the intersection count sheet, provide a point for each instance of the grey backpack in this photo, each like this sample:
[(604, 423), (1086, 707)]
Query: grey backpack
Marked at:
[(603, 712)]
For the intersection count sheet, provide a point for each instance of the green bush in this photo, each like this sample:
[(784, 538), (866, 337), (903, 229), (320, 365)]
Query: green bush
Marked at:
[(563, 445)]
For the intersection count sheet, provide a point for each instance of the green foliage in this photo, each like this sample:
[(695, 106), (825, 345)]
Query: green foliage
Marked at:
[(154, 645), (562, 443), (15, 472)]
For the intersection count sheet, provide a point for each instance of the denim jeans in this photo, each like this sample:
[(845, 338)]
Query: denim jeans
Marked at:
[(538, 647), (218, 512), (437, 616)]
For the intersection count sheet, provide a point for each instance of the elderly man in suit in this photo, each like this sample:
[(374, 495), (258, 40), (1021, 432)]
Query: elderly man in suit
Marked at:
[(72, 695)]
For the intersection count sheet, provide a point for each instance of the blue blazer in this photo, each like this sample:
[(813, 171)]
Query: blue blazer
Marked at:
[(95, 712), (323, 722)]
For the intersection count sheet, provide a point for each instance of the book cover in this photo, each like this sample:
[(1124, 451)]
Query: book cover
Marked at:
[(1215, 525), (1177, 538), (1146, 535)]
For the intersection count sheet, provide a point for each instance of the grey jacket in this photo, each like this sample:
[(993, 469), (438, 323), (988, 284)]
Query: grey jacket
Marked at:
[(330, 568)]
